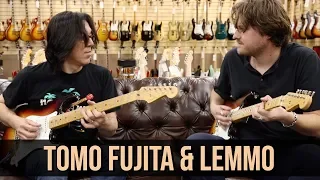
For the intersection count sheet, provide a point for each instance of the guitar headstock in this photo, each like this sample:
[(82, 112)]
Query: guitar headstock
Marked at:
[(301, 99), (189, 57), (26, 59), (152, 93)]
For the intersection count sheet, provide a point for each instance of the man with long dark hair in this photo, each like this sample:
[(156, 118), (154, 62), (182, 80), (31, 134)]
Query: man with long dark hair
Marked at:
[(67, 76), (268, 65)]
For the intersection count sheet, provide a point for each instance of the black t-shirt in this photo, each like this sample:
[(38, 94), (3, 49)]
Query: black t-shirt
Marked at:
[(298, 67), (39, 86)]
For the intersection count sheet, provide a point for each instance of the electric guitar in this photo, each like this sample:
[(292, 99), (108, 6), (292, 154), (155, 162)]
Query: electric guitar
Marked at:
[(302, 29), (103, 29), (316, 26), (12, 33), (147, 26), (135, 28), (231, 28), (242, 108), (173, 27), (46, 22), (184, 31), (26, 27), (158, 26), (221, 32), (2, 31), (125, 33), (37, 26), (114, 26), (208, 32), (59, 114), (197, 31)]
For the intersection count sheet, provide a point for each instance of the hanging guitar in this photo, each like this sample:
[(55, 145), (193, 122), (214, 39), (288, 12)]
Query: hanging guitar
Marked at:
[(147, 26), (184, 27), (197, 31), (208, 32), (26, 27), (242, 108), (221, 32), (103, 29), (114, 26), (125, 33), (173, 26), (12, 33)]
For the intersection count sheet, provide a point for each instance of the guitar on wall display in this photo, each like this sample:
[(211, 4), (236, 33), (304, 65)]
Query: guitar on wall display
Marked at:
[(208, 32), (147, 26), (135, 28), (310, 22), (102, 31), (158, 26), (59, 114), (114, 25), (46, 22), (173, 26), (231, 28), (2, 31), (26, 27), (125, 33), (221, 32), (197, 31), (37, 26), (12, 32), (184, 31), (303, 23), (302, 99)]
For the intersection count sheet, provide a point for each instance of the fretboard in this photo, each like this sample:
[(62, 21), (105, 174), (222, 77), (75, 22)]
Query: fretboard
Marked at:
[(247, 111), (68, 117)]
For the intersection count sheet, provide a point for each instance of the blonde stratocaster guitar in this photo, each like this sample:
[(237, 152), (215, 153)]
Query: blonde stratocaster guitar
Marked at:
[(291, 101), (184, 26), (57, 114)]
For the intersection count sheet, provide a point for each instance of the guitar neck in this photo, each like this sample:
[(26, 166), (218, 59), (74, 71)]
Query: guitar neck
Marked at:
[(71, 116), (247, 111)]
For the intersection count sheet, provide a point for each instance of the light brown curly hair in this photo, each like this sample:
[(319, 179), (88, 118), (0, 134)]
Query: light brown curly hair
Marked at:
[(267, 16)]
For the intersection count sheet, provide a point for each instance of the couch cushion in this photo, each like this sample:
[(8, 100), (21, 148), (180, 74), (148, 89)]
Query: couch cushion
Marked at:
[(165, 118)]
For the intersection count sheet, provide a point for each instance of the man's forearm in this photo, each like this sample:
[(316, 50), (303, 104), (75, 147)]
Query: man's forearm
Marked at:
[(7, 117), (307, 124), (215, 99)]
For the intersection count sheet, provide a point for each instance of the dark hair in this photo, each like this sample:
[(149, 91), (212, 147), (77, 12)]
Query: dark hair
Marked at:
[(267, 16), (65, 29)]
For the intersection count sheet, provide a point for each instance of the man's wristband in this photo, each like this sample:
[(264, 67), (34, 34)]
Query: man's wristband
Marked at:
[(294, 121)]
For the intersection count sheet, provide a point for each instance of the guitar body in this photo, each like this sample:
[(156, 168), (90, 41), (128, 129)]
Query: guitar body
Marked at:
[(309, 27), (102, 31), (37, 31), (184, 31), (12, 34), (230, 30), (147, 33), (302, 33), (25, 32), (197, 31), (173, 33), (208, 33), (221, 32), (316, 27), (125, 31), (135, 33), (2, 31), (295, 34), (46, 23), (158, 32), (113, 34)]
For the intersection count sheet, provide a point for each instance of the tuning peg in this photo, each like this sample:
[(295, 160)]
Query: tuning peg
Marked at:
[(312, 94), (175, 84), (298, 91)]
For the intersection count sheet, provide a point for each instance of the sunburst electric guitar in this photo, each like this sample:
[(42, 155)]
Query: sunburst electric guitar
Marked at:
[(242, 108), (59, 114)]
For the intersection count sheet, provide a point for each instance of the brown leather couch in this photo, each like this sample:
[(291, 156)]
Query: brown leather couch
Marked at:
[(165, 118)]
